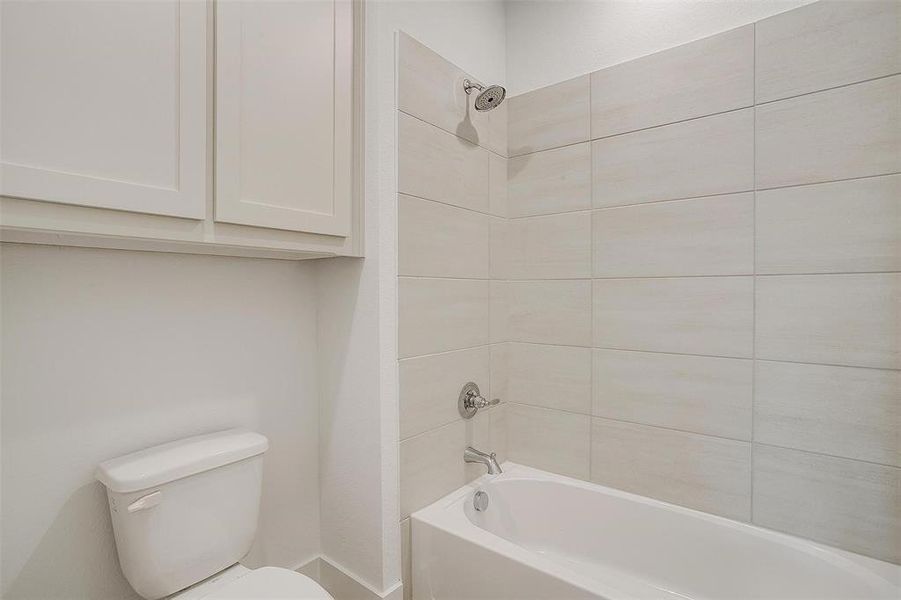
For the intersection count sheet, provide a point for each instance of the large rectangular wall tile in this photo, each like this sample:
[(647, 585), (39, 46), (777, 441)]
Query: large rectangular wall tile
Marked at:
[(692, 393), (552, 440), (431, 88), (702, 236), (499, 250), (853, 131), (706, 473), (438, 240), (694, 315), (431, 465), (837, 501), (499, 312), (437, 165), (551, 247), (498, 432), (429, 386), (702, 157), (436, 315), (708, 76), (826, 44), (497, 129), (552, 181), (497, 185), (843, 226), (843, 411), (851, 320), (549, 312), (499, 371), (550, 117), (550, 376)]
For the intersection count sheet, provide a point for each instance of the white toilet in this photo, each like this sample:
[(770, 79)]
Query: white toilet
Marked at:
[(185, 513)]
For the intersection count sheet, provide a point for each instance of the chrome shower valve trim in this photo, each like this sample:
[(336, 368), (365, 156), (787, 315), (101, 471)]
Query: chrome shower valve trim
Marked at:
[(470, 400)]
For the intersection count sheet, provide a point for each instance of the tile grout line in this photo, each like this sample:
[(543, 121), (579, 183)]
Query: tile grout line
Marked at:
[(452, 351), (492, 259), (665, 427), (591, 140), (440, 128), (751, 190), (893, 467), (501, 304), (593, 209), (825, 181), (695, 355), (641, 277), (550, 148), (705, 435), (397, 308), (819, 91), (688, 432), (448, 204), (591, 265), (754, 278)]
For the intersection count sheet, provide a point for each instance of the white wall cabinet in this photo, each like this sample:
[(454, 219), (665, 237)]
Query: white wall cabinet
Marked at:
[(104, 104), (115, 135), (283, 114)]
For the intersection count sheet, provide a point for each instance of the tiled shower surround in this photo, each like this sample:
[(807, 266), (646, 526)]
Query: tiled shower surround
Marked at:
[(704, 303), (694, 285)]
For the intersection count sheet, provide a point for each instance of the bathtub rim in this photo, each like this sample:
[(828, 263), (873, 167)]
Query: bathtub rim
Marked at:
[(449, 515)]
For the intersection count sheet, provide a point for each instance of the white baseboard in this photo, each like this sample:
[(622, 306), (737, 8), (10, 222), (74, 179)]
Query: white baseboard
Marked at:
[(338, 582)]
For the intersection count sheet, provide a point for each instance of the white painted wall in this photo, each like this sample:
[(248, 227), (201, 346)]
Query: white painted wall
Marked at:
[(551, 41), (105, 352), (358, 316)]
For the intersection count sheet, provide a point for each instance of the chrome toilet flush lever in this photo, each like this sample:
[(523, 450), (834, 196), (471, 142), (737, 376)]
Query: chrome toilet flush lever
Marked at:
[(470, 400)]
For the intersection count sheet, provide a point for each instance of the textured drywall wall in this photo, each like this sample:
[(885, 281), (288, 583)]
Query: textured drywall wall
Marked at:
[(105, 352)]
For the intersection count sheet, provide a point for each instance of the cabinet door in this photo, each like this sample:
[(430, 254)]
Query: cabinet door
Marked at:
[(283, 114), (104, 104)]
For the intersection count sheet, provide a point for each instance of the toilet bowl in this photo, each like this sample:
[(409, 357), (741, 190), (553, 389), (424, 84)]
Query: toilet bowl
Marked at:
[(267, 583), (185, 513)]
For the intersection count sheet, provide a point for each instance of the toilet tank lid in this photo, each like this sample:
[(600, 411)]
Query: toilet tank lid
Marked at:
[(182, 458)]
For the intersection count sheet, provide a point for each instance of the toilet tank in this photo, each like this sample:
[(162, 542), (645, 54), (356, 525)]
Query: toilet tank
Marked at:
[(185, 510)]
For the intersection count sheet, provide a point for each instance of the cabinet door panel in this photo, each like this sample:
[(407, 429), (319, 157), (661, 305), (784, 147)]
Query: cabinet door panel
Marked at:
[(104, 104), (283, 114)]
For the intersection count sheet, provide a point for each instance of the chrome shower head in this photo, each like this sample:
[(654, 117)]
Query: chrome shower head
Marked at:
[(488, 98)]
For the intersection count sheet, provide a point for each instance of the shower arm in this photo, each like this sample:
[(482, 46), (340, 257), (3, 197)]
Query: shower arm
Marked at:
[(469, 85)]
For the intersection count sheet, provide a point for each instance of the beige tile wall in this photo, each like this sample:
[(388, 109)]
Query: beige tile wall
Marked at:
[(679, 292), (703, 297), (452, 184)]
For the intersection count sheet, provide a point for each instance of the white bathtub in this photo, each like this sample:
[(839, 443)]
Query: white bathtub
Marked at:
[(549, 537)]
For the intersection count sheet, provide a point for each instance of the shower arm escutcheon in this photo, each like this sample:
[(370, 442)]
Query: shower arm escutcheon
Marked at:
[(470, 400)]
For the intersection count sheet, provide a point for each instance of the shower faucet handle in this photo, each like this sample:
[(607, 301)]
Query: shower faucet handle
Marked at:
[(470, 400), (480, 402)]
